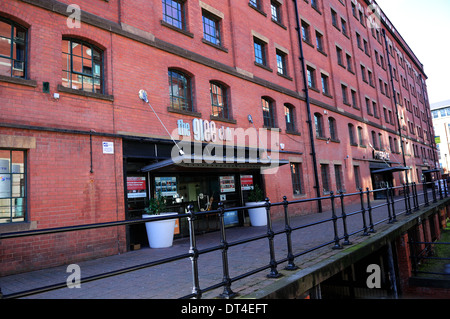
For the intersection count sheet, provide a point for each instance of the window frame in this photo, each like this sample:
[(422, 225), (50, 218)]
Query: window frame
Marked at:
[(296, 177), (267, 106), (83, 74), (187, 97), (23, 186), (259, 48), (181, 16), (217, 108), (217, 37), (14, 41)]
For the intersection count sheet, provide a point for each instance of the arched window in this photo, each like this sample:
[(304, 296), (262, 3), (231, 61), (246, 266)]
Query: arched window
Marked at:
[(219, 100), (82, 66), (333, 129), (289, 115), (318, 121), (351, 134), (13, 55), (374, 140), (268, 111), (180, 91)]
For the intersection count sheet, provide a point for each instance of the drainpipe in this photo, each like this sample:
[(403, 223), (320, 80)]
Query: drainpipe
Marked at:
[(395, 104), (308, 107)]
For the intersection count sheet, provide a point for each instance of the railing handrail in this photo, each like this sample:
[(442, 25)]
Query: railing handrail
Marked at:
[(194, 253)]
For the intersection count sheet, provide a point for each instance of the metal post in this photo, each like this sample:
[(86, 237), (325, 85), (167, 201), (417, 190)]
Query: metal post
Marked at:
[(433, 191), (334, 218), (344, 220), (394, 216), (194, 253), (369, 208), (440, 190), (227, 292), (405, 196), (392, 272), (388, 204), (363, 213), (291, 265), (425, 194), (415, 198), (445, 187), (270, 235)]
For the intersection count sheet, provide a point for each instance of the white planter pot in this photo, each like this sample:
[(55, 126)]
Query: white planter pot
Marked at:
[(160, 233), (258, 216)]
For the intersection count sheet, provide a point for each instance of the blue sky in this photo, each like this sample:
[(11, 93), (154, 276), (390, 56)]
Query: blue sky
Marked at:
[(425, 26)]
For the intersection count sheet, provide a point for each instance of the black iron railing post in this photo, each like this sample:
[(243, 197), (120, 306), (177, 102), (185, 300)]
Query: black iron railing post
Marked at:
[(369, 209), (344, 220), (194, 253), (227, 292), (425, 194), (392, 194), (433, 192), (337, 245), (270, 235), (445, 187), (405, 196), (290, 256), (388, 204), (363, 213), (440, 190), (415, 198)]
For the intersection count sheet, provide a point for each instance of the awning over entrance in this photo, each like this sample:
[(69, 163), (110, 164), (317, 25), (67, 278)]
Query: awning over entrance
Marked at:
[(391, 169), (198, 161)]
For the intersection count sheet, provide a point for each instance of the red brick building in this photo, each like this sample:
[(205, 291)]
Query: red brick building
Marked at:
[(79, 146)]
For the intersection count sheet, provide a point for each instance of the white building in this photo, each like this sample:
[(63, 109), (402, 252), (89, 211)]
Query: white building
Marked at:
[(440, 113)]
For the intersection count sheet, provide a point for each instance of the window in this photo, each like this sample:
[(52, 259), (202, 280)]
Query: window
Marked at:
[(260, 51), (369, 110), (314, 4), (374, 140), (306, 32), (333, 129), (351, 134), (275, 10), (268, 113), (318, 121), (380, 141), (290, 118), (12, 186), (180, 91), (211, 28), (173, 13), (255, 3), (339, 178), (344, 27), (82, 67), (325, 84), (334, 18), (348, 58), (363, 73), (296, 175), (319, 42), (311, 75), (281, 63), (354, 98), (358, 39), (344, 94), (339, 56), (360, 136), (219, 101), (12, 49), (357, 177), (375, 109), (325, 172)]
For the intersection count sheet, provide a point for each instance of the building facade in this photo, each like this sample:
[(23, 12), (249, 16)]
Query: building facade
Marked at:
[(302, 98), (440, 113)]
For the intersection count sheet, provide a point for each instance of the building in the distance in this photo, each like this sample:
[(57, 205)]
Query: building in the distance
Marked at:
[(300, 97), (440, 113)]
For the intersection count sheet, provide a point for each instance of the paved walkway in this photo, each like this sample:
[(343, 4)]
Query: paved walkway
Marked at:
[(174, 279)]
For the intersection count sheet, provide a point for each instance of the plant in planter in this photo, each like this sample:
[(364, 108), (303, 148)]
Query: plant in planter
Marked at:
[(258, 216), (159, 233)]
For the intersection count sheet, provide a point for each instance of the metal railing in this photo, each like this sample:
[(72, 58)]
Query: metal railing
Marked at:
[(406, 202)]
